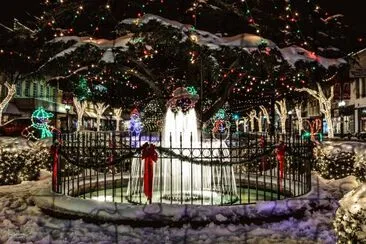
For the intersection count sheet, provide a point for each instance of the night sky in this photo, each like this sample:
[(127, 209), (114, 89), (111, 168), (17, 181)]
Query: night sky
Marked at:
[(353, 11)]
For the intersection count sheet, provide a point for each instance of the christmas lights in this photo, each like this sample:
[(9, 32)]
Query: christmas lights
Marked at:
[(40, 128)]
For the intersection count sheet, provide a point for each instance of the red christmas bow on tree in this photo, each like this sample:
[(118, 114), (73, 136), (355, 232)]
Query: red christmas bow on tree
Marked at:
[(150, 156)]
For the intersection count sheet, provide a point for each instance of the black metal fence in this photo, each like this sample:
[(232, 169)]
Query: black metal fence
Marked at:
[(102, 166)]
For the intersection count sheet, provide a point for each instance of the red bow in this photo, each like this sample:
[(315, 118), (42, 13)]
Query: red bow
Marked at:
[(150, 156), (280, 151)]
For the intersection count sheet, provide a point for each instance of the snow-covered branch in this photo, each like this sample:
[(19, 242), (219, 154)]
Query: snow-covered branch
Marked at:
[(68, 76)]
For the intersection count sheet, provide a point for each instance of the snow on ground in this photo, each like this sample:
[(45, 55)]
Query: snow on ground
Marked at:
[(21, 221)]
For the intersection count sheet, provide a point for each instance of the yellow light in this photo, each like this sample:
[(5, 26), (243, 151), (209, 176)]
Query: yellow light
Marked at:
[(194, 38)]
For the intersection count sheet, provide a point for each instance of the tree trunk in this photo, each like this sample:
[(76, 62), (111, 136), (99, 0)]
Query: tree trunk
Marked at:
[(281, 109), (80, 109), (328, 119), (117, 123), (1, 116), (283, 124), (98, 122), (11, 89), (299, 118), (117, 114), (80, 122), (259, 121)]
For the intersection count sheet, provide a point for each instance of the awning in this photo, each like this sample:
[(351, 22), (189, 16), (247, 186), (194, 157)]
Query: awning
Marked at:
[(11, 108)]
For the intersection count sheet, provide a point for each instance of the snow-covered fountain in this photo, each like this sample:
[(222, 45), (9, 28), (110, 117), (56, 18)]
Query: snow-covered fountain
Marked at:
[(188, 168)]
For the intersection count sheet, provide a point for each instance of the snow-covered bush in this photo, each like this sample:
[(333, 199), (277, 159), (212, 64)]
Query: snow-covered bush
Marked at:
[(350, 220), (18, 164)]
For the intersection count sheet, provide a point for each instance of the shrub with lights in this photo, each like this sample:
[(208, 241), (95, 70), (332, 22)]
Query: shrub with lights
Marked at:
[(17, 165), (350, 219), (360, 167), (332, 165)]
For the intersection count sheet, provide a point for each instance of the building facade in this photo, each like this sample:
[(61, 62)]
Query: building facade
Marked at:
[(357, 101), (32, 94)]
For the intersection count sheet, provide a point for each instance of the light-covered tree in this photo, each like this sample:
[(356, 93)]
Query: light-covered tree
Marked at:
[(325, 104), (244, 121), (265, 113), (11, 89), (99, 109), (80, 107), (259, 121), (252, 116), (298, 110), (281, 110), (117, 116)]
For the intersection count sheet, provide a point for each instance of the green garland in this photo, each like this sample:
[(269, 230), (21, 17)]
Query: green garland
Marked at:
[(85, 162)]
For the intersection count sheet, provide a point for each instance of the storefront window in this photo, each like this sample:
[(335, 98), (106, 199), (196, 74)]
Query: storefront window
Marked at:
[(363, 125), (347, 121), (325, 127), (357, 82)]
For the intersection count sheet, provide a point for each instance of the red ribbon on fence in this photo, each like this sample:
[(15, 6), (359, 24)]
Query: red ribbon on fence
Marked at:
[(280, 155), (150, 156), (54, 154)]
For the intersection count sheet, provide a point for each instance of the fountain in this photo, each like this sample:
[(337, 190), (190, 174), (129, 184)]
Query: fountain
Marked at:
[(188, 169)]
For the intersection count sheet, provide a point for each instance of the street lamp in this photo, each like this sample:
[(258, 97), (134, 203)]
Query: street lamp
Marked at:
[(110, 120), (341, 105), (290, 121), (67, 108)]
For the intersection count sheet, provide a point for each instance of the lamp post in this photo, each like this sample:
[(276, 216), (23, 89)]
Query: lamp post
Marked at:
[(341, 105), (110, 120), (67, 108), (290, 121)]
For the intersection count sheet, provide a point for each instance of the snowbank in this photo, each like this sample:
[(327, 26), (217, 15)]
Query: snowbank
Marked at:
[(170, 214), (23, 222)]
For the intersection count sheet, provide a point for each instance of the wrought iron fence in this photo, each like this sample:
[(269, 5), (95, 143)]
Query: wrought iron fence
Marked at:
[(240, 169)]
